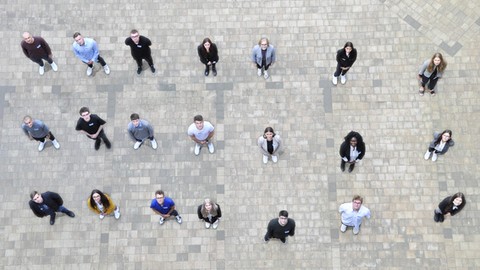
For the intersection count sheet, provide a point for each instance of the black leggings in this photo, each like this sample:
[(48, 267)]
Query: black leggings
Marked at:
[(431, 82)]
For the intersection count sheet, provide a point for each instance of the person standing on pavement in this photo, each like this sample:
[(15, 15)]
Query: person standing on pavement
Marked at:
[(208, 53), (201, 132), (38, 131), (92, 126), (102, 204), (86, 50), (46, 204), (165, 207), (269, 144), (430, 72), (440, 144), (263, 56), (345, 59), (451, 205), (209, 212), (140, 130), (280, 227), (352, 214), (37, 50), (352, 150), (140, 49)]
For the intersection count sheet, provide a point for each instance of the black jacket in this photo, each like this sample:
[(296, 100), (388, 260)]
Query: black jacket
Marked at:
[(141, 49), (205, 57), (345, 61), (345, 150), (446, 207), (51, 199)]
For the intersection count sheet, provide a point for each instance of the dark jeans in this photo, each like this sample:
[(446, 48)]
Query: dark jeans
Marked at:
[(147, 58), (352, 165), (100, 60), (433, 150), (140, 140), (101, 136), (207, 67), (263, 65), (50, 136), (431, 82), (340, 71), (39, 61)]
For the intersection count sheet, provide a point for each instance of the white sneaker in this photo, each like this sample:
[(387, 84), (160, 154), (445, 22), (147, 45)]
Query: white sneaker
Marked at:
[(41, 145), (356, 230), (197, 149), (274, 159), (179, 219), (215, 224), (211, 148), (434, 157), (89, 71), (161, 221), (137, 145), (334, 80), (343, 79), (41, 70), (207, 225), (154, 144), (259, 72), (56, 144), (265, 75), (265, 159), (427, 155), (343, 228), (117, 213), (101, 216), (54, 66), (106, 69)]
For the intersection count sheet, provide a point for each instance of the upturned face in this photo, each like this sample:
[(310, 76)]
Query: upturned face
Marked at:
[(445, 137), (263, 44), (437, 61), (353, 141), (28, 38), (199, 125), (356, 204), (206, 45), (348, 49), (160, 198), (28, 122), (282, 220), (38, 198), (80, 41), (208, 207), (269, 135), (85, 116), (457, 201), (136, 122), (96, 197), (135, 37)]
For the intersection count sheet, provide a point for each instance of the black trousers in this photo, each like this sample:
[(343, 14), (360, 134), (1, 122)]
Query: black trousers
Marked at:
[(431, 82), (100, 60), (50, 136), (147, 58), (39, 61)]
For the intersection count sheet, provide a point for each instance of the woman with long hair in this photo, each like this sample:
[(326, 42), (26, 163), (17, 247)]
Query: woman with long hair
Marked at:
[(352, 150), (210, 212), (345, 59), (269, 144), (430, 72), (449, 206), (208, 53), (102, 204), (440, 144)]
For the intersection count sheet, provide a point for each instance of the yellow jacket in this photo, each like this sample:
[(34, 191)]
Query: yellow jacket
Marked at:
[(108, 211)]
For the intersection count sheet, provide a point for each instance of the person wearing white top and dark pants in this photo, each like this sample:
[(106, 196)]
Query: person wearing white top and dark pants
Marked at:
[(352, 214), (269, 144)]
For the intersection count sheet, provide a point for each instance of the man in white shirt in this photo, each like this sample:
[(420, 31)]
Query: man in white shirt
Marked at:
[(352, 214), (201, 133)]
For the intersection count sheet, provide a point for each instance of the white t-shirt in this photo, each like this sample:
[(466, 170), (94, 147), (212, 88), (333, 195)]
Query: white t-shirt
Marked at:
[(201, 135)]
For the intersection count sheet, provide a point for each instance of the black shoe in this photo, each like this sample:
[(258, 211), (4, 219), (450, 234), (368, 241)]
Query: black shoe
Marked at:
[(152, 68), (139, 70), (97, 143), (342, 166), (214, 71), (350, 169), (435, 217), (107, 143), (52, 220), (207, 71), (70, 214), (284, 240)]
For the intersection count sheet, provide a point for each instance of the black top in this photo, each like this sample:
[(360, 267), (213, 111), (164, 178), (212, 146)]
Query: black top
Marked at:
[(276, 230), (92, 126), (38, 49), (51, 199), (200, 215), (346, 61), (140, 49), (345, 150), (211, 56), (446, 207)]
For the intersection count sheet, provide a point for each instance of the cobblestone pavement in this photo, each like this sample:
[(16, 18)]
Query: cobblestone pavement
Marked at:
[(380, 100)]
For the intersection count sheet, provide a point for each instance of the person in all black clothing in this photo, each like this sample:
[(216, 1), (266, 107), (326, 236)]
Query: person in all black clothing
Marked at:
[(140, 48), (208, 53), (345, 59), (352, 150), (280, 228), (450, 205), (92, 126), (46, 204)]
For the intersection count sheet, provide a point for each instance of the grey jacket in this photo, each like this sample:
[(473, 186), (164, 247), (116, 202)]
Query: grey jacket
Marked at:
[(423, 70), (445, 148), (143, 131), (262, 143)]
